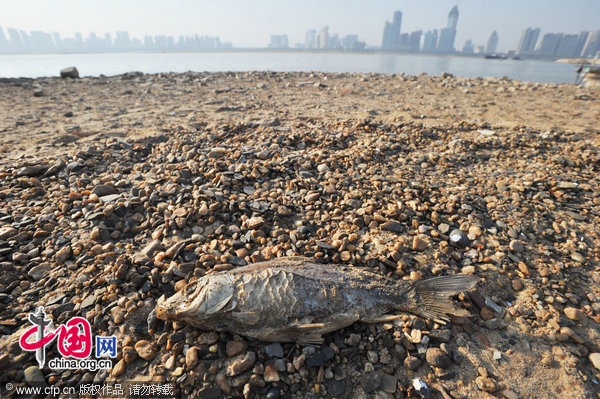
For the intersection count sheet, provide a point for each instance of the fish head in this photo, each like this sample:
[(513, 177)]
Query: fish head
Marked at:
[(199, 301)]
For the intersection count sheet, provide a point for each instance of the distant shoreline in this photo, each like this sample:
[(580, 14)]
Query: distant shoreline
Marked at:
[(309, 51)]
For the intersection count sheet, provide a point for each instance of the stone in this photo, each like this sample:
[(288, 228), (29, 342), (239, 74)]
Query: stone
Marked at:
[(129, 354), (255, 222), (574, 314), (34, 377), (69, 72), (420, 243), (274, 350), (486, 384), (392, 226), (63, 254), (233, 348), (412, 363), (191, 358), (595, 359), (208, 338), (389, 383), (370, 382), (33, 170), (437, 358), (312, 197), (39, 272), (209, 392), (240, 363), (119, 368), (336, 388), (270, 374), (103, 189), (516, 246), (458, 238), (145, 350), (7, 232)]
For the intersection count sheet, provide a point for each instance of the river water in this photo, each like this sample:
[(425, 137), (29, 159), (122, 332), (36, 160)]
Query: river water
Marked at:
[(38, 65)]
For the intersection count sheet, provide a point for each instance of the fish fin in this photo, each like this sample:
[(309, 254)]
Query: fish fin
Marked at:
[(314, 338), (432, 296), (382, 319)]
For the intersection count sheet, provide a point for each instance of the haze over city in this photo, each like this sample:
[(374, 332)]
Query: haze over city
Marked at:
[(247, 24)]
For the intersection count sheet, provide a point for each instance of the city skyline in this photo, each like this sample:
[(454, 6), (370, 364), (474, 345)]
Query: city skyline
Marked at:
[(251, 25)]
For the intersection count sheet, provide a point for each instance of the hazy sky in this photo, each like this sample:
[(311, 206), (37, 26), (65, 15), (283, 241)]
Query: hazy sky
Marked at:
[(249, 23)]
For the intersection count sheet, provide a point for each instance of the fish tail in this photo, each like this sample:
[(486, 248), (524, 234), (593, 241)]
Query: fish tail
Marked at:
[(433, 296)]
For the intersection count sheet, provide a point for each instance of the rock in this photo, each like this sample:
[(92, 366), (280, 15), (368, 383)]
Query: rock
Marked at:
[(129, 354), (577, 257), (312, 197), (412, 363), (370, 382), (103, 189), (574, 314), (209, 392), (233, 348), (222, 383), (7, 232), (208, 338), (458, 238), (486, 384), (392, 226), (255, 222), (336, 388), (270, 374), (389, 383), (274, 350), (63, 254), (239, 364), (70, 72), (420, 243), (34, 377), (516, 245), (39, 272), (595, 359), (38, 93), (33, 170), (191, 358), (145, 350), (119, 368), (437, 358), (323, 168)]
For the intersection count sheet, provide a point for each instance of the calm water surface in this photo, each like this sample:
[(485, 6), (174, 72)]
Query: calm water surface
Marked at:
[(37, 65)]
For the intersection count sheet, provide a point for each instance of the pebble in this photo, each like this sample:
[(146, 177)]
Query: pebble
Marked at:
[(595, 359), (274, 350), (191, 358), (516, 245), (437, 358), (270, 374), (119, 368), (233, 348), (240, 363), (412, 363), (34, 377), (574, 314), (145, 350), (458, 238)]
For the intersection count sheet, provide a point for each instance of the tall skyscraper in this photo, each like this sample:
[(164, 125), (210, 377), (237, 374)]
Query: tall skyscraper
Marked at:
[(591, 47), (391, 33), (323, 37), (448, 34), (310, 39), (549, 44), (567, 46), (429, 41), (528, 41), (492, 43), (3, 40)]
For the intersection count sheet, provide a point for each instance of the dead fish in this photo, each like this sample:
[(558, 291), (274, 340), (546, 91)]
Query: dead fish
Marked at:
[(298, 300)]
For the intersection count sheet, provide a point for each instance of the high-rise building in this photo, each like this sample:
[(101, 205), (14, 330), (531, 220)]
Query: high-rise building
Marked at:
[(549, 44), (447, 36), (492, 43), (469, 47), (414, 41), (279, 42), (591, 48), (567, 46), (3, 40), (581, 39), (391, 33), (323, 37), (528, 41), (429, 41), (310, 39)]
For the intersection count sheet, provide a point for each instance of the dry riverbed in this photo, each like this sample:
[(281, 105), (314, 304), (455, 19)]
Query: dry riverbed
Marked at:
[(117, 190)]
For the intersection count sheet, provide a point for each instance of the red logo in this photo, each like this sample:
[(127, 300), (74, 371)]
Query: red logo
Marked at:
[(74, 337)]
